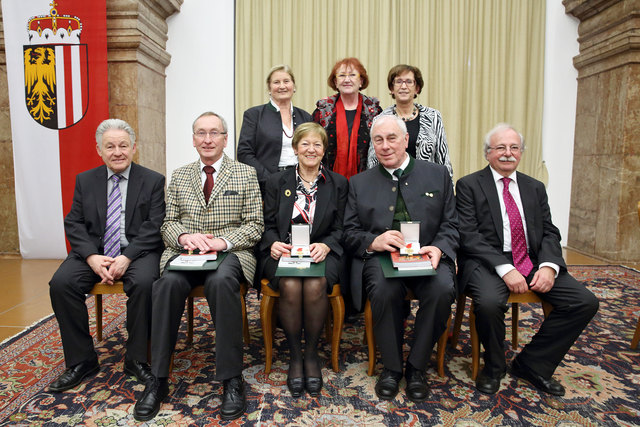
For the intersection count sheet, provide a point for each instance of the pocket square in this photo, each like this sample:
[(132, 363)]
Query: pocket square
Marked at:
[(230, 193)]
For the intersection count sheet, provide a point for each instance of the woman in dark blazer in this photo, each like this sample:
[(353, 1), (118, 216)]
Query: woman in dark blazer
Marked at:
[(311, 194), (265, 136)]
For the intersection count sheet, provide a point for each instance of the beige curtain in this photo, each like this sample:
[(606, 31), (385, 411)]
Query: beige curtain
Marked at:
[(482, 60)]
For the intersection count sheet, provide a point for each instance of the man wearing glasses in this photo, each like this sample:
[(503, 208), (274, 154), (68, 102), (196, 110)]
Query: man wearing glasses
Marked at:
[(509, 244), (213, 204)]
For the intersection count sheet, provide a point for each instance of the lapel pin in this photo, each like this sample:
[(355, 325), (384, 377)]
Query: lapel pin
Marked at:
[(287, 192)]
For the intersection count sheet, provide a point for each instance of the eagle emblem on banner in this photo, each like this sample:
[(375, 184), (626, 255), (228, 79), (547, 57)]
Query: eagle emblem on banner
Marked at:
[(55, 70)]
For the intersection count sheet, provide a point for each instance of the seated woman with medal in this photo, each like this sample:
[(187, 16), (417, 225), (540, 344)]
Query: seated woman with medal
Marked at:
[(307, 194)]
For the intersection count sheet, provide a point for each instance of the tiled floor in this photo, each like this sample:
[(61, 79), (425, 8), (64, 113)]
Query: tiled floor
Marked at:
[(24, 290)]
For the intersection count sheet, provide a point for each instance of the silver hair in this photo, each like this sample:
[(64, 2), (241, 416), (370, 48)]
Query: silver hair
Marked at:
[(209, 113), (401, 124), (499, 128), (111, 124)]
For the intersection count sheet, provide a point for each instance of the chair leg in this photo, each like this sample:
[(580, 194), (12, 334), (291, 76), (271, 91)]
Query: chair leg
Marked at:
[(337, 306), (457, 324), (475, 344), (99, 317), (266, 319), (371, 341), (245, 321), (636, 336), (515, 320), (189, 320), (442, 345)]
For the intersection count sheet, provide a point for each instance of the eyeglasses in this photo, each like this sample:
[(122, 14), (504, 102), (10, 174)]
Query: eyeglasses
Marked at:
[(501, 149), (201, 134), (400, 82), (351, 76)]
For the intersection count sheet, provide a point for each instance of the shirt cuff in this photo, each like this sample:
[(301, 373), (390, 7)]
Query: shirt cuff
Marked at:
[(229, 245), (556, 267), (503, 269)]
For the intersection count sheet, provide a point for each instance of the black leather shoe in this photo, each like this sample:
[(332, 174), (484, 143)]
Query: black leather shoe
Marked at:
[(313, 385), (387, 385), (549, 385), (233, 401), (140, 370), (148, 406), (73, 376), (296, 386), (488, 384), (417, 387)]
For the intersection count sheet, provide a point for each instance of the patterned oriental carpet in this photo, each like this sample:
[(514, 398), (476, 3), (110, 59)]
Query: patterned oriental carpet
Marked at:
[(601, 374)]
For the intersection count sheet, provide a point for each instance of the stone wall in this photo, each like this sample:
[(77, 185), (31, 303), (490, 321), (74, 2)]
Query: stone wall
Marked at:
[(605, 190)]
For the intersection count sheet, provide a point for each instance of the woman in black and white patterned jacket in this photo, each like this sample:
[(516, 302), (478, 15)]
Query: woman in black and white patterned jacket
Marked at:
[(427, 138)]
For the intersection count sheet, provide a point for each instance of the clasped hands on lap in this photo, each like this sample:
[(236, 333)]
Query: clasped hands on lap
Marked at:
[(392, 240), (109, 269), (203, 242), (542, 281)]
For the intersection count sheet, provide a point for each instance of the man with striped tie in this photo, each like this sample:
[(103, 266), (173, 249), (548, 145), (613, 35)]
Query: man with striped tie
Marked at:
[(509, 244), (114, 231)]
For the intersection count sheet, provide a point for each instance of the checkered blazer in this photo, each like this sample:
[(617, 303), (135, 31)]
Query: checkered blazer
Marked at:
[(234, 211)]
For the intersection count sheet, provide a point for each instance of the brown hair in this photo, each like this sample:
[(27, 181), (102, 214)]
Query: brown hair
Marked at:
[(307, 128), (401, 69), (348, 62)]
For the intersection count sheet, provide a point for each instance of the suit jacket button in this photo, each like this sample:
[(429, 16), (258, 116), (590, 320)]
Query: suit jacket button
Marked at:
[(391, 208), (393, 189)]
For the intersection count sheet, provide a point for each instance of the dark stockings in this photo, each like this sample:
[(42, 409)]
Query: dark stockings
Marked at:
[(308, 296)]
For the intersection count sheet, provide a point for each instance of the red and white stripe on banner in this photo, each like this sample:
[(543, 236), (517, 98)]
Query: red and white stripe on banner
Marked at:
[(55, 109)]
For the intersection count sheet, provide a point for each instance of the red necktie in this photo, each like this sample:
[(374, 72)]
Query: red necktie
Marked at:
[(208, 182), (518, 243)]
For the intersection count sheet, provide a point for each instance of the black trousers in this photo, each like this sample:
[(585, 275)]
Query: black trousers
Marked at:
[(68, 288), (435, 295), (222, 290), (573, 307)]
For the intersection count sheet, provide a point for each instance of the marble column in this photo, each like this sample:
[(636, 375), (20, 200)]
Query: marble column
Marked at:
[(136, 42), (605, 187)]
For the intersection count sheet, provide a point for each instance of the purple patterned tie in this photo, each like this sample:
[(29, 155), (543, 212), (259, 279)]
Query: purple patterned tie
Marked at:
[(518, 243), (112, 230)]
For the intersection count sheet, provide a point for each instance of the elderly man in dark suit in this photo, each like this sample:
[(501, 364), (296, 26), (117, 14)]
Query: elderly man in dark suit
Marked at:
[(509, 244), (399, 189), (114, 231), (213, 204)]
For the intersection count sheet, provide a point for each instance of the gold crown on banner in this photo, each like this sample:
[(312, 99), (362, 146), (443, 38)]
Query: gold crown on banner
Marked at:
[(54, 28)]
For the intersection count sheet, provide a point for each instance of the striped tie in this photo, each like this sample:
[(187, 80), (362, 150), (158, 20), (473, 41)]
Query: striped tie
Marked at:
[(112, 230)]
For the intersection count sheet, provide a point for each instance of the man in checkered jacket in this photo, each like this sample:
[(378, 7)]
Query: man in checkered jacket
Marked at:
[(213, 204)]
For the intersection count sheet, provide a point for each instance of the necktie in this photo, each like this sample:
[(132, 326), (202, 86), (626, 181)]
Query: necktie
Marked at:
[(112, 229), (208, 182), (518, 243), (398, 172)]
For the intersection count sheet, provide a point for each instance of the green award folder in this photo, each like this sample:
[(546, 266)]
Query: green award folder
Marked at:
[(209, 265), (391, 273), (316, 269)]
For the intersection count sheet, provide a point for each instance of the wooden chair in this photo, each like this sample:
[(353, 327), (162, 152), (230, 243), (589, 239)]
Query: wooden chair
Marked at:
[(636, 335), (515, 300), (371, 340), (198, 291), (98, 290), (267, 319)]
